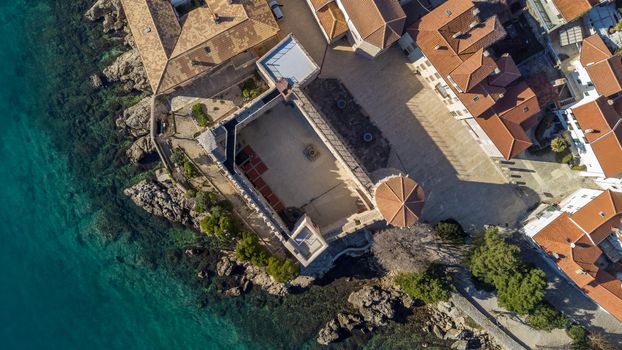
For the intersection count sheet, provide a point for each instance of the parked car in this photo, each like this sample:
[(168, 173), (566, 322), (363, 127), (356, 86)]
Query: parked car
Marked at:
[(276, 9)]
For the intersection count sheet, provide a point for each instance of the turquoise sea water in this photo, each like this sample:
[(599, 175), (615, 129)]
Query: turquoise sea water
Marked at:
[(59, 287), (80, 266)]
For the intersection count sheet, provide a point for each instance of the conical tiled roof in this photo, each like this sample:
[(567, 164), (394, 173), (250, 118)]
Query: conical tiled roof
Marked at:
[(400, 200)]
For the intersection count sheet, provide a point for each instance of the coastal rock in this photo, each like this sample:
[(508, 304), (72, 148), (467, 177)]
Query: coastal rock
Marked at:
[(375, 304), (248, 275), (329, 333), (165, 201), (225, 266), (129, 70), (112, 13), (349, 321), (460, 345), (135, 120), (260, 278), (140, 149)]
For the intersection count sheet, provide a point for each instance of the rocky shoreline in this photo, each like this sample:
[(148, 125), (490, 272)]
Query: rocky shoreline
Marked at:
[(371, 307)]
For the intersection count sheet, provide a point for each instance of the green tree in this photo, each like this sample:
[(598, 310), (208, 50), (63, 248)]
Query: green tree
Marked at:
[(493, 260), (204, 200), (450, 230), (559, 145), (249, 89), (522, 292), (189, 171), (424, 286), (249, 249), (178, 157), (545, 317), (199, 115), (579, 336), (282, 270), (218, 223)]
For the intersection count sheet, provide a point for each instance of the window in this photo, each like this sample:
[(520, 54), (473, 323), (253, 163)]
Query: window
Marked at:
[(438, 76), (475, 98), (452, 113), (459, 113), (427, 63)]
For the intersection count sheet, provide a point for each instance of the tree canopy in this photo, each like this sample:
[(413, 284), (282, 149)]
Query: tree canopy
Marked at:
[(519, 288)]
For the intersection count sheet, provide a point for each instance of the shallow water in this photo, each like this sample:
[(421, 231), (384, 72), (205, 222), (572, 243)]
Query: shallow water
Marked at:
[(82, 268)]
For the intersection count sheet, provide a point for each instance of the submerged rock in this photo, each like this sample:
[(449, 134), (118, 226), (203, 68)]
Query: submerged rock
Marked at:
[(166, 201), (112, 13), (96, 81), (129, 70)]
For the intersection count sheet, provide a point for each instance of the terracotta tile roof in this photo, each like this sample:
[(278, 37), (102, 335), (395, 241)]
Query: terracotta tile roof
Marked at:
[(473, 70), (379, 22), (593, 49), (571, 9), (453, 40), (400, 200), (508, 72), (174, 51), (604, 69), (605, 136), (569, 240), (518, 105), (331, 18), (510, 138), (606, 76)]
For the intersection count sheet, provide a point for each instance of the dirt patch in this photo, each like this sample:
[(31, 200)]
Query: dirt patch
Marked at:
[(351, 122)]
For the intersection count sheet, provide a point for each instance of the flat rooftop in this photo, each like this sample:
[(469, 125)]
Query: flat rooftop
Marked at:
[(288, 60), (288, 163)]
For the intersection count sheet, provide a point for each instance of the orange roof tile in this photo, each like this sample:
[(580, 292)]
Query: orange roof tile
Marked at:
[(569, 239), (379, 22), (593, 49), (331, 18), (453, 39), (518, 105), (572, 9), (510, 138), (605, 133), (606, 76), (176, 50), (400, 200), (473, 70), (508, 72)]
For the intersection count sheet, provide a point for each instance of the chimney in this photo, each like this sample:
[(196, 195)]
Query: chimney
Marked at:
[(580, 272), (602, 214), (610, 102), (216, 18), (572, 245), (437, 47), (457, 35), (589, 131)]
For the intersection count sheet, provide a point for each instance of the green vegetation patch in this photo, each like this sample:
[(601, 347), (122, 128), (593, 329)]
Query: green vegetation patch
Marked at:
[(249, 89), (198, 113), (249, 249), (545, 317), (430, 286), (519, 288), (451, 231), (219, 223)]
